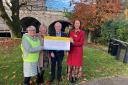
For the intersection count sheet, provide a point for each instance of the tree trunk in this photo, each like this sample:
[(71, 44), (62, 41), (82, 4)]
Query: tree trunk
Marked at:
[(13, 22), (15, 18), (89, 37), (12, 34)]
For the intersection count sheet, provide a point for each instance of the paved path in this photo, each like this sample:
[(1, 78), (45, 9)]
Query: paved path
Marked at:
[(108, 81)]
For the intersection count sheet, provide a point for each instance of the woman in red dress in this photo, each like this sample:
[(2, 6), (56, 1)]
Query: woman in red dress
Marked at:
[(75, 55)]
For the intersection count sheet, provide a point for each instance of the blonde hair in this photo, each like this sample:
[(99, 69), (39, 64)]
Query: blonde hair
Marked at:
[(42, 25)]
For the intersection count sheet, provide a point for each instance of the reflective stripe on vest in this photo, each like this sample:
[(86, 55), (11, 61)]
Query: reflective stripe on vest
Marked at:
[(31, 57)]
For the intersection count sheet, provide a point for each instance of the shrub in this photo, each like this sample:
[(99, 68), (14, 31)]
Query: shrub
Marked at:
[(115, 28)]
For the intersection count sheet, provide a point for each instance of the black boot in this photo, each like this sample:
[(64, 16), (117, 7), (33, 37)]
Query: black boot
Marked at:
[(72, 80), (27, 80), (38, 79), (42, 76)]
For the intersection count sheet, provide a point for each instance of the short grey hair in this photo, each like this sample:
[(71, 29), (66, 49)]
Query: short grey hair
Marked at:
[(31, 28), (57, 23)]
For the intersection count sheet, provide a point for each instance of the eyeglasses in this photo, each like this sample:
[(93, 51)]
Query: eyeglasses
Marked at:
[(31, 30)]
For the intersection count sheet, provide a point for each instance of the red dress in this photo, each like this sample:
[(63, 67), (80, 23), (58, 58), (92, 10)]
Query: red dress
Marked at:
[(75, 57)]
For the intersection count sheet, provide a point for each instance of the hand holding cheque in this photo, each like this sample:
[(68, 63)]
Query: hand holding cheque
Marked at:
[(57, 43), (71, 40)]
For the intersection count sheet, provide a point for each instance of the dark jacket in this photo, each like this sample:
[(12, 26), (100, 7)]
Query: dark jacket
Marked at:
[(60, 52)]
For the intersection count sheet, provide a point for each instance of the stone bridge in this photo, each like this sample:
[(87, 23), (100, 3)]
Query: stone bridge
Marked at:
[(34, 17)]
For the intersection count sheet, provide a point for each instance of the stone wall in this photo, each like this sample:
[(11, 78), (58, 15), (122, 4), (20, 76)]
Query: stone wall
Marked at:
[(46, 17)]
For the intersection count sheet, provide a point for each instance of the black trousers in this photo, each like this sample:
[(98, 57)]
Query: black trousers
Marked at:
[(56, 62)]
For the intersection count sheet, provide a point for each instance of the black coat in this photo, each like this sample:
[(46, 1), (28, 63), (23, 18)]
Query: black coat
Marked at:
[(60, 52)]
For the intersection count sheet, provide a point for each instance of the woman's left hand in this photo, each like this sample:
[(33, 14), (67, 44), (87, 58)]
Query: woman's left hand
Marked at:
[(71, 40)]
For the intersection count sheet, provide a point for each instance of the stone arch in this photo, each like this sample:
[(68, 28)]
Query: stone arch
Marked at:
[(27, 21), (64, 25)]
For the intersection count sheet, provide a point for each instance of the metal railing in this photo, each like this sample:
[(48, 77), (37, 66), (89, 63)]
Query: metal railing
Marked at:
[(119, 49)]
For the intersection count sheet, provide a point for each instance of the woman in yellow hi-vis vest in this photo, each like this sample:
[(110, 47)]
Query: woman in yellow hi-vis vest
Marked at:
[(31, 47)]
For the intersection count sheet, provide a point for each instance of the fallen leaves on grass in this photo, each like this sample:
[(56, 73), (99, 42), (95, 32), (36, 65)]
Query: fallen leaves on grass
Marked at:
[(6, 77), (4, 67), (14, 72), (13, 77)]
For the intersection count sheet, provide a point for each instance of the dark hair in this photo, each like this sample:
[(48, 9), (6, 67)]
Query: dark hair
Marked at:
[(73, 27)]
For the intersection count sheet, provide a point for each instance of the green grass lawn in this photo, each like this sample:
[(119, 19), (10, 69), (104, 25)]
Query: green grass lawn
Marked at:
[(97, 64)]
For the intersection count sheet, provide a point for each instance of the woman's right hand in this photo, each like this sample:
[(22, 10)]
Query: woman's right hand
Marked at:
[(52, 55)]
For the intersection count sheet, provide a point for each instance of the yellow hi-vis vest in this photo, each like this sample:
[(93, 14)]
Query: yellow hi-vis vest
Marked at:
[(31, 57)]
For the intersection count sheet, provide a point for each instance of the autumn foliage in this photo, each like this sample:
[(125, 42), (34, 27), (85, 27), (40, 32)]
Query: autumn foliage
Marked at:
[(92, 15)]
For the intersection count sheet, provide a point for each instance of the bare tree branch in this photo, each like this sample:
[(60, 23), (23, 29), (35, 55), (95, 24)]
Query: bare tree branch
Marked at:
[(23, 4), (4, 15), (12, 21), (7, 3)]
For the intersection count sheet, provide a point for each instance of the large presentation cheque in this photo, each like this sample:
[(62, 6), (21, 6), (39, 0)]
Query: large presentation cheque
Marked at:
[(56, 43)]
